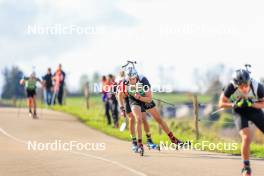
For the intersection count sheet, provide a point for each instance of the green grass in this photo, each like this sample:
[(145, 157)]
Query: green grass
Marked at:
[(184, 129), (181, 98)]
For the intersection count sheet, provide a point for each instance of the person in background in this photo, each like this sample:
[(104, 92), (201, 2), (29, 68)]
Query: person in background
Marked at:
[(48, 85), (104, 81), (109, 99), (104, 99), (86, 92), (113, 100), (59, 80)]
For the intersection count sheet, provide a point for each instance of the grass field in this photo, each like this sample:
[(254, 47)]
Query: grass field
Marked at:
[(184, 129)]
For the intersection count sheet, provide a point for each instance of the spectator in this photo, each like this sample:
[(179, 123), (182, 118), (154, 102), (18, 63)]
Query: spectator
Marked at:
[(59, 78), (109, 98), (47, 84)]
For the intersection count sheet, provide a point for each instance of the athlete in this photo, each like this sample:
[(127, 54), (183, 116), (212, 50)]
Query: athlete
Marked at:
[(140, 100), (246, 96), (125, 110), (30, 84)]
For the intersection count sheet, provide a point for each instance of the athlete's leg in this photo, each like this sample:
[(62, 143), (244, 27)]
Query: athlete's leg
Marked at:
[(150, 143), (136, 110), (156, 115), (145, 123), (258, 119), (34, 102), (244, 131), (132, 131), (132, 125), (245, 150), (30, 104), (245, 147)]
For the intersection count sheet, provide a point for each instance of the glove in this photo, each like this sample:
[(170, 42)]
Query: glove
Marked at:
[(243, 103), (249, 102), (122, 111)]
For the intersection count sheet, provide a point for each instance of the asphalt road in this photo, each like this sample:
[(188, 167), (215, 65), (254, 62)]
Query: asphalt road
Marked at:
[(16, 159)]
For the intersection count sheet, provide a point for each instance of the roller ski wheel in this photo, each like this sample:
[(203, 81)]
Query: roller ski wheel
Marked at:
[(141, 150), (153, 146), (246, 171), (30, 115)]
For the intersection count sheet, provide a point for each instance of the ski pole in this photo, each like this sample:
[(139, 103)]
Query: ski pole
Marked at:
[(222, 109), (163, 101), (217, 111), (130, 62)]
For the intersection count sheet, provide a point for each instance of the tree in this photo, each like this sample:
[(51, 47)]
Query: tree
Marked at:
[(211, 81), (11, 87), (83, 80), (95, 81), (262, 80)]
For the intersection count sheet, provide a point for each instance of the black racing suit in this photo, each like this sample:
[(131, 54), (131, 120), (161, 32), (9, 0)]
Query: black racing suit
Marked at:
[(143, 105), (247, 114)]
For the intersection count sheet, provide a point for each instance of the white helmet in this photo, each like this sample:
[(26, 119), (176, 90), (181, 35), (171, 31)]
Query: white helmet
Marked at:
[(131, 73)]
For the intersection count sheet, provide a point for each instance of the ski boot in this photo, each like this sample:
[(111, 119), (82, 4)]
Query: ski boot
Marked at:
[(141, 150), (134, 147), (151, 145), (180, 144), (246, 171)]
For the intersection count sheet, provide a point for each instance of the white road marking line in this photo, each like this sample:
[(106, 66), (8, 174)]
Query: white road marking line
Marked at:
[(110, 161), (12, 137), (83, 154)]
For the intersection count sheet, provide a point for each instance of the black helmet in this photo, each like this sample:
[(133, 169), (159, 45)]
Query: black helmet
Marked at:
[(241, 76)]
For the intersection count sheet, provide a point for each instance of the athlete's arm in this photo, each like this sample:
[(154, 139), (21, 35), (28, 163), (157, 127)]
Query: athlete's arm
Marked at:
[(224, 97), (224, 102), (146, 99), (22, 81), (40, 82), (260, 103)]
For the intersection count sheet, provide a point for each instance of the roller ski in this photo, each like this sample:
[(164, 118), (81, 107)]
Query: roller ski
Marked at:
[(35, 116), (180, 144), (151, 145), (140, 150), (134, 147), (246, 171)]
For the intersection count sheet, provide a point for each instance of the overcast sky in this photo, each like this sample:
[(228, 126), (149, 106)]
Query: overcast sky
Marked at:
[(178, 35)]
